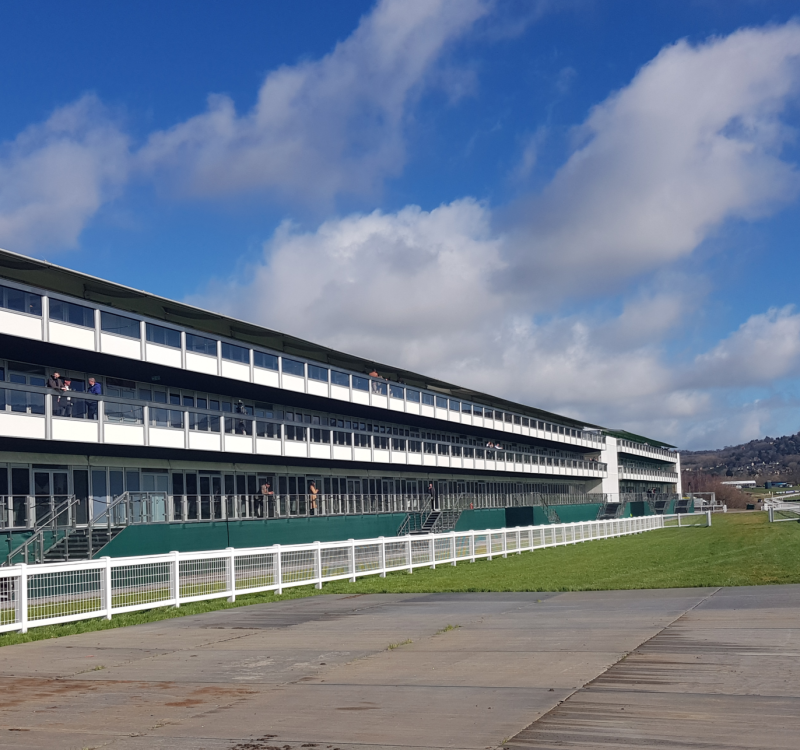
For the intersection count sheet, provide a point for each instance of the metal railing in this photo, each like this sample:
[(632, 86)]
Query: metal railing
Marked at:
[(54, 593), (782, 511), (47, 530), (646, 448)]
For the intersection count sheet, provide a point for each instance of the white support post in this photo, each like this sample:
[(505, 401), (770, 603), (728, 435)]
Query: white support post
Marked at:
[(410, 557), (432, 551), (176, 578), (278, 569), (382, 553), (472, 546), (22, 599), (352, 560), (679, 520), (318, 564), (231, 574), (708, 517), (519, 541), (107, 593), (489, 544), (453, 547)]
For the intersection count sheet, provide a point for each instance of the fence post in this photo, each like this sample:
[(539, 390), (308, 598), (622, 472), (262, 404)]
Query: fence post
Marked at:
[(771, 517), (352, 560), (176, 576), (108, 602), (679, 519), (472, 546), (453, 547), (231, 575), (278, 569), (318, 564), (23, 597), (382, 553), (519, 541), (410, 558), (489, 544), (432, 551), (708, 516)]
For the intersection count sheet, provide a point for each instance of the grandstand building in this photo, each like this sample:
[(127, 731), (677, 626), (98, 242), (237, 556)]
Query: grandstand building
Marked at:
[(132, 424)]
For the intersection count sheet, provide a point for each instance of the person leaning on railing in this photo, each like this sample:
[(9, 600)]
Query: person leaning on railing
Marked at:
[(91, 405)]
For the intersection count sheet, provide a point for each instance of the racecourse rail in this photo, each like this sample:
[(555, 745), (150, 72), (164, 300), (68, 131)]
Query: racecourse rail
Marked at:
[(55, 593)]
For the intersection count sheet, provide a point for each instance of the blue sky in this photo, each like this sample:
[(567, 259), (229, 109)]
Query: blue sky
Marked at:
[(590, 207)]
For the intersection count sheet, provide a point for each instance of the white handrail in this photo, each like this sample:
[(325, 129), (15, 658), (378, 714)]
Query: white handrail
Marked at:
[(54, 593)]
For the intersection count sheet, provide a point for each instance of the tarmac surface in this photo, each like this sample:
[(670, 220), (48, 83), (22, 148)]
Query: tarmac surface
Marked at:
[(677, 668)]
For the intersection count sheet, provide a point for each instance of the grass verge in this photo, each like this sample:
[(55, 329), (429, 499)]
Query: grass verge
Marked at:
[(740, 549)]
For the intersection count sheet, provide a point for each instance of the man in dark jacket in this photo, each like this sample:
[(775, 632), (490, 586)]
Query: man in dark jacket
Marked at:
[(57, 384)]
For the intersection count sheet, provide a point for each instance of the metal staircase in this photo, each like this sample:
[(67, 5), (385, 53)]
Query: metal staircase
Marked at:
[(80, 544), (430, 521), (610, 510)]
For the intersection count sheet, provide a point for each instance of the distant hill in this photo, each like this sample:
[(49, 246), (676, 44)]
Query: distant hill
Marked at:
[(759, 459)]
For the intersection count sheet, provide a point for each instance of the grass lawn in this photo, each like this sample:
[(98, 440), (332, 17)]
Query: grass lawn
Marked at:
[(740, 549)]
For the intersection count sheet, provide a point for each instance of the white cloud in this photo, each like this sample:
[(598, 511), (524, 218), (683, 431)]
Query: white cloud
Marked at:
[(55, 176), (321, 128), (695, 139)]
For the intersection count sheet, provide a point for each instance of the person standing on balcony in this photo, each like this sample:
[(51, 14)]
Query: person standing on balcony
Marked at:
[(91, 406), (313, 492), (55, 383), (433, 495)]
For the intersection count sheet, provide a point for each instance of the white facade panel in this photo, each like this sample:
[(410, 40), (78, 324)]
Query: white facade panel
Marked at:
[(320, 451), (343, 453), (293, 383), (468, 463), (480, 464), (466, 419), (454, 416), (201, 363), (235, 371), (238, 444), (75, 336), (340, 392), (123, 434), (268, 447), (266, 377), (398, 457), (296, 450), (163, 355), (121, 346), (379, 401), (361, 454), (428, 459), (426, 411), (441, 413), (412, 408), (82, 430), (380, 456), (397, 404), (361, 397), (317, 388), (19, 324), (443, 461), (21, 425), (162, 437), (415, 459), (205, 441)]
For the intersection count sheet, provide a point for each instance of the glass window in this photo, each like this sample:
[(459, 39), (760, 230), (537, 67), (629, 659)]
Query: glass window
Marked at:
[(443, 449), (507, 417), (265, 410), (160, 397), (517, 420), (238, 426), (379, 387), (318, 373), (293, 367), (455, 405), (320, 436), (202, 403), (234, 353), (526, 422), (430, 447), (188, 401), (340, 378), (67, 312), (201, 345), (295, 432), (204, 422), (466, 408), (175, 398), (441, 402), (360, 384), (120, 388), (145, 394), (15, 299), (427, 399), (362, 441), (163, 336), (265, 361), (397, 391), (268, 430), (24, 402), (124, 413), (120, 325), (398, 444), (342, 438), (488, 414), (381, 442), (455, 450), (166, 418), (477, 411), (414, 446), (412, 396)]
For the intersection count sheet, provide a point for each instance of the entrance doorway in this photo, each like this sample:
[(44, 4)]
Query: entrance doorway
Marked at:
[(154, 507), (50, 489)]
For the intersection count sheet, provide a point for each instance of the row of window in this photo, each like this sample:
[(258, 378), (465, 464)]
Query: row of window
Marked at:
[(121, 325)]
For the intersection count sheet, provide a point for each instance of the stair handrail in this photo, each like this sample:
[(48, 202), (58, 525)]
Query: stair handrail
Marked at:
[(36, 539)]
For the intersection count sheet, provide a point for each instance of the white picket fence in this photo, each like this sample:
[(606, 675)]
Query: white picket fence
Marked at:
[(48, 594)]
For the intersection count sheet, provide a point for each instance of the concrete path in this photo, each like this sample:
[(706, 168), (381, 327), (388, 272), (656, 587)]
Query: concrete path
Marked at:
[(681, 668)]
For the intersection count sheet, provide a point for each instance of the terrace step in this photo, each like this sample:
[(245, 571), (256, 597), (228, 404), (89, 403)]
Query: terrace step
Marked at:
[(75, 546)]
